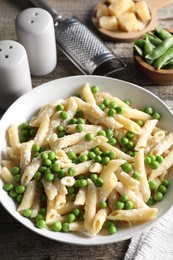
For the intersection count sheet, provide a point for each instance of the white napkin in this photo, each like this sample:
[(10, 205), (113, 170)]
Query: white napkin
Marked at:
[(155, 244)]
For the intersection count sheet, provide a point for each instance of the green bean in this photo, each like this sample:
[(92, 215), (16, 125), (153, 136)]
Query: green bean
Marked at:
[(140, 43), (163, 58), (158, 51), (154, 40), (163, 34), (138, 50), (148, 47), (168, 64)]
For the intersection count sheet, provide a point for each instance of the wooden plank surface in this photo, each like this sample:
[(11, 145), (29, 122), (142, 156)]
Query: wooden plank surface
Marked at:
[(16, 241)]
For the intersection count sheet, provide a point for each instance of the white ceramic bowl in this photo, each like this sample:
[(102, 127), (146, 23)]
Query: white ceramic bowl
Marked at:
[(29, 104)]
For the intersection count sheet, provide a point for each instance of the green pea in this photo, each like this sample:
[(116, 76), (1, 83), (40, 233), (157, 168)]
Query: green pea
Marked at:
[(127, 102), (101, 132), (162, 189), (27, 213), (60, 128), (112, 155), (83, 158), (47, 171), (124, 198), (103, 204), (65, 227), (83, 183), (105, 160), (156, 116), (63, 115), (76, 212), (24, 126), (44, 156), (71, 171), (79, 113), (59, 107), (139, 122), (113, 105), (96, 150), (99, 182), (127, 167), (71, 155), (37, 175), (95, 89), (136, 176), (40, 224), (130, 145), (33, 132), (110, 223), (39, 217), (102, 107), (158, 196), (152, 157), (98, 158), (71, 218), (42, 169), (79, 128), (159, 158), (112, 230), (106, 102), (51, 155), (15, 170), (112, 141), (56, 226), (147, 160), (119, 205), (81, 121), (24, 139), (35, 148), (128, 205), (56, 167), (109, 132), (111, 112), (73, 121), (120, 110), (151, 201), (165, 183), (149, 110), (153, 185), (8, 186), (47, 162), (25, 132), (13, 193), (20, 189), (49, 177), (129, 135), (42, 212), (124, 141), (89, 137), (93, 176), (91, 155), (154, 165), (19, 198)]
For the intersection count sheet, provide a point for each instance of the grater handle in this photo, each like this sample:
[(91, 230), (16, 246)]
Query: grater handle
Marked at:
[(42, 4)]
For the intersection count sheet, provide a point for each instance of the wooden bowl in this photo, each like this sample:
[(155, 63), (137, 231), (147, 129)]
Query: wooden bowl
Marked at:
[(158, 77)]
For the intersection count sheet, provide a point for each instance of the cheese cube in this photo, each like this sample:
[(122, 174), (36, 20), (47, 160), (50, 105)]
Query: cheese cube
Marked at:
[(109, 23), (142, 11), (128, 22), (102, 10), (119, 7)]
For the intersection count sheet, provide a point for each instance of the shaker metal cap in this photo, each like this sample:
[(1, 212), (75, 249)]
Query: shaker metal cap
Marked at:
[(35, 31)]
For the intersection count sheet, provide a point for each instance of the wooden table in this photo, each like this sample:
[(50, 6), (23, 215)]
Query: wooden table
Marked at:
[(16, 241)]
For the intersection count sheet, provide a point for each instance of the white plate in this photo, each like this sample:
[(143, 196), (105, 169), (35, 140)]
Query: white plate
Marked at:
[(29, 104)]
